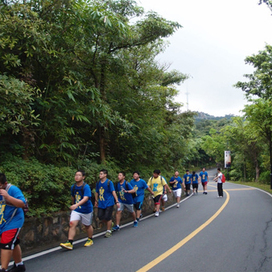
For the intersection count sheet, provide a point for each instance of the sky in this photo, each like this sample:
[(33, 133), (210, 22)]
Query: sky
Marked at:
[(211, 47)]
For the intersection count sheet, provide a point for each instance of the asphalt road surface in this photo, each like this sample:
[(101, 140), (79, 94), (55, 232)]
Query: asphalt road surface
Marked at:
[(206, 233)]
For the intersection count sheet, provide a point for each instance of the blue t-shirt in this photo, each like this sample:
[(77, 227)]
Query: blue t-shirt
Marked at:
[(204, 176), (125, 198), (177, 184), (105, 196), (194, 178), (7, 222), (187, 178), (139, 187), (76, 192)]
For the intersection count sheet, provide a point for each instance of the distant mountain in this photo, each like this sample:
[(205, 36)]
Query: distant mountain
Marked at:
[(205, 116)]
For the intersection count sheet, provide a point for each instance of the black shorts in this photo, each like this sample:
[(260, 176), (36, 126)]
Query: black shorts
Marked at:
[(157, 199), (105, 214), (188, 186), (195, 185), (138, 206), (9, 239)]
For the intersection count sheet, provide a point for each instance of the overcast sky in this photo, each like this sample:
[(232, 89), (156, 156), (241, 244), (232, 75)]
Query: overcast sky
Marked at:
[(211, 47)]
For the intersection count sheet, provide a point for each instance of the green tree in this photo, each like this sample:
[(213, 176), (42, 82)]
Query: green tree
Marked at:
[(259, 114), (71, 52), (246, 149), (16, 114), (260, 81)]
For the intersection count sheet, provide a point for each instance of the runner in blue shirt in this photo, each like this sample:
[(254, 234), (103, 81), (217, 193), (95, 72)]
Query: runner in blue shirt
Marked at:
[(105, 196), (194, 178), (187, 181), (124, 191), (81, 210), (176, 183), (203, 175), (139, 185), (12, 202)]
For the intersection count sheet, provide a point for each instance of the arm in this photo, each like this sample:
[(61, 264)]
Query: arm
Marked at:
[(172, 182), (182, 185), (150, 191), (12, 200), (81, 202), (167, 187), (116, 199), (96, 200), (130, 191)]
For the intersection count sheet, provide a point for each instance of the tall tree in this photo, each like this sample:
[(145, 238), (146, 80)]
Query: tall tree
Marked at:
[(260, 81), (259, 114)]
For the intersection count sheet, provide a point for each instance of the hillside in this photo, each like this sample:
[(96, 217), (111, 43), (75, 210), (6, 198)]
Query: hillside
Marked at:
[(205, 116)]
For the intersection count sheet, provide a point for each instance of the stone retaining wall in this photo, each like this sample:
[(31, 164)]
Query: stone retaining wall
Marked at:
[(39, 234)]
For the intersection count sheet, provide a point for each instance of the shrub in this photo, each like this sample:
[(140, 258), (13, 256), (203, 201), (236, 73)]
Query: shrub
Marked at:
[(45, 186)]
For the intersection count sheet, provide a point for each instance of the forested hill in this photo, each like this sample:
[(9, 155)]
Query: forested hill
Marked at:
[(205, 116)]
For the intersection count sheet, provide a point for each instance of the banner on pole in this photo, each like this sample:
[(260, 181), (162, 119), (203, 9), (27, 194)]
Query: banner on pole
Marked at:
[(227, 159)]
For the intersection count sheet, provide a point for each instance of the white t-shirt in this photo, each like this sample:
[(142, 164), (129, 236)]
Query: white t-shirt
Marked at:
[(219, 180)]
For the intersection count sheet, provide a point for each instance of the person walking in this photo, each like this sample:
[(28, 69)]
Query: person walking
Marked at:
[(204, 177), (124, 191), (139, 185), (194, 178), (105, 197), (12, 202), (176, 183), (81, 210), (218, 179), (158, 185), (187, 182)]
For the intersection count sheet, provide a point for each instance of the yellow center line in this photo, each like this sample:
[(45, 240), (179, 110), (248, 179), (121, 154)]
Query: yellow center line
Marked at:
[(185, 240)]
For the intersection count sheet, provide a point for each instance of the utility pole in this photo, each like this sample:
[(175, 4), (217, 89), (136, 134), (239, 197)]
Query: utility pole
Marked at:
[(187, 95)]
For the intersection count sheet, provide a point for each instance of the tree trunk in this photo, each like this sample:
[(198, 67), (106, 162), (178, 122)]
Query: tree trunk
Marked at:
[(245, 170), (102, 144), (257, 168)]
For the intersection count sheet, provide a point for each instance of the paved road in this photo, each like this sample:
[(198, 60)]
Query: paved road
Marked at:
[(206, 233)]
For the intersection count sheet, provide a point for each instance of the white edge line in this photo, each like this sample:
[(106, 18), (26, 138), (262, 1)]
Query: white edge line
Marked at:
[(254, 188)]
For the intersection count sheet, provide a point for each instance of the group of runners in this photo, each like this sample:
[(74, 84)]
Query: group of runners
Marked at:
[(124, 194)]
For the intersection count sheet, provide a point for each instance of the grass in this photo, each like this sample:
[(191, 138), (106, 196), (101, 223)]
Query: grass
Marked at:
[(265, 187)]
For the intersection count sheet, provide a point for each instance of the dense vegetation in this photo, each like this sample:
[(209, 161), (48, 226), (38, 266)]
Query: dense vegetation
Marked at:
[(81, 88)]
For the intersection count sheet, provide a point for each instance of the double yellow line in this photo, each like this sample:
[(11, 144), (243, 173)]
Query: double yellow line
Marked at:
[(185, 240)]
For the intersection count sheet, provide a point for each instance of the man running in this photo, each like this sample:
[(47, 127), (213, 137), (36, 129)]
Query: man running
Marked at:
[(187, 182), (124, 191), (194, 178), (176, 183), (105, 196), (139, 185), (157, 184), (204, 177), (82, 210), (12, 202)]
